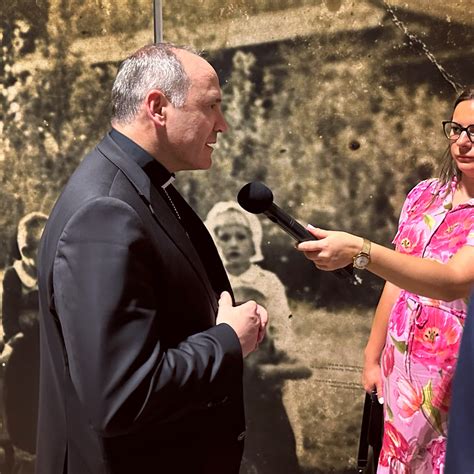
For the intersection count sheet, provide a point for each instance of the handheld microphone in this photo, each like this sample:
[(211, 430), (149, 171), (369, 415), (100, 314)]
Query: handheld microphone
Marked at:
[(257, 198)]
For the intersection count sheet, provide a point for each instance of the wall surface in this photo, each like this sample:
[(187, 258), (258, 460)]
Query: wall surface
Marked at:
[(335, 104)]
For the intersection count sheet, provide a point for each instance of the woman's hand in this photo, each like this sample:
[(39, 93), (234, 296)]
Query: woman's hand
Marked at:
[(332, 249), (372, 379)]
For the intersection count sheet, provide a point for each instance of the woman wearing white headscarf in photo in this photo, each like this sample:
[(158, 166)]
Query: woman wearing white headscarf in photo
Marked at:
[(270, 444), (20, 284), (20, 308)]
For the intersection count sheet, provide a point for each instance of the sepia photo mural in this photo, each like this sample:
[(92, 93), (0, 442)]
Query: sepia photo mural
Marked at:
[(336, 105)]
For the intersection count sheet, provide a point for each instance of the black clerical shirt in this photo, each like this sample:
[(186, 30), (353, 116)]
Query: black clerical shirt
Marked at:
[(158, 174)]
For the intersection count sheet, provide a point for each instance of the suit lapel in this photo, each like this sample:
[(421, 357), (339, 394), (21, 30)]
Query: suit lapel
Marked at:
[(160, 210), (202, 239)]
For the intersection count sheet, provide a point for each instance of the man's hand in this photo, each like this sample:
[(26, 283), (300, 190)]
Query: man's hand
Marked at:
[(248, 320)]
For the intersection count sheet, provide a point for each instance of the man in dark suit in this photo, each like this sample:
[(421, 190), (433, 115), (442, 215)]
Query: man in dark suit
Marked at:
[(141, 348), (459, 451)]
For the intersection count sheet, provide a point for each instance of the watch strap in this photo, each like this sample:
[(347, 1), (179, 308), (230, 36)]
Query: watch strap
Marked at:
[(366, 247), (363, 255)]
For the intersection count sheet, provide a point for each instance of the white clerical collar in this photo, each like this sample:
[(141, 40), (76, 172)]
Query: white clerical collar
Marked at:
[(170, 180)]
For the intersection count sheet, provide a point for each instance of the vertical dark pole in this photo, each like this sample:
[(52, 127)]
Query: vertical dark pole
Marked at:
[(157, 21)]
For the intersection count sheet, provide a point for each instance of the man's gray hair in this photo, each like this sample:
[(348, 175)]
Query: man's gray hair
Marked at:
[(155, 66)]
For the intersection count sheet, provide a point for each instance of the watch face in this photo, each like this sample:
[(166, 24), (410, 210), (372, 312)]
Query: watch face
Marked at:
[(361, 261)]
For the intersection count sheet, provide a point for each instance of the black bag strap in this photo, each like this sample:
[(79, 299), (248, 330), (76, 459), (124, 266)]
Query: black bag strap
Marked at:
[(363, 453), (371, 433), (375, 436)]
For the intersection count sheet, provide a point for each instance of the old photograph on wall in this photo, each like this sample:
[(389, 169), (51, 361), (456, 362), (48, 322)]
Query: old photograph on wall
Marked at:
[(335, 105)]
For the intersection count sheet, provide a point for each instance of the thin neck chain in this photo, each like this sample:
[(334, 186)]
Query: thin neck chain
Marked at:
[(172, 204)]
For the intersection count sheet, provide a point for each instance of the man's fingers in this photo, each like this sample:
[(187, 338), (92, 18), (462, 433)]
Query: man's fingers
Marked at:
[(225, 299), (262, 312), (263, 315)]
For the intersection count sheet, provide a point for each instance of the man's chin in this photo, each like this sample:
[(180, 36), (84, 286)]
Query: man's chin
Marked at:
[(198, 166), (204, 164), (207, 166)]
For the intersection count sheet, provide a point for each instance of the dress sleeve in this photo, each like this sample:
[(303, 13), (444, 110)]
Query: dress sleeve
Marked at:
[(470, 235), (421, 190)]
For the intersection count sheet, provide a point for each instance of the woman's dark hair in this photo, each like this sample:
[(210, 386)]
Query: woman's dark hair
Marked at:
[(448, 168)]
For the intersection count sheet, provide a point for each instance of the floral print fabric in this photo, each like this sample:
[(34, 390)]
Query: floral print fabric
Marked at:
[(423, 337)]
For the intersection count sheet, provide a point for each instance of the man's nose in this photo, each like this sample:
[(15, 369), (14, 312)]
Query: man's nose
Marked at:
[(221, 123)]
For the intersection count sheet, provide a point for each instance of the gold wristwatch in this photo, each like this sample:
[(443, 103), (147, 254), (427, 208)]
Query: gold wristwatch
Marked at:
[(362, 259)]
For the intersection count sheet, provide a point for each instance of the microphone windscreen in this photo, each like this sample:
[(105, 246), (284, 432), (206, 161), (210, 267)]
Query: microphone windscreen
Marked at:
[(255, 197)]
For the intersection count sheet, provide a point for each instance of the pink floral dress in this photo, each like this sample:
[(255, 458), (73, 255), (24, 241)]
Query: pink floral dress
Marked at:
[(423, 338)]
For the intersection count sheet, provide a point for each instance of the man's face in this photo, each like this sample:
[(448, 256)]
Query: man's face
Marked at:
[(192, 129)]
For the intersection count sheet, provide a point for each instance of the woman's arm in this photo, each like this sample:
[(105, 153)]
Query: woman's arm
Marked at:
[(446, 281), (371, 375)]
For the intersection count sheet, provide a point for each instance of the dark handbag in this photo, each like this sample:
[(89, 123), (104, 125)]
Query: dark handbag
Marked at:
[(371, 433)]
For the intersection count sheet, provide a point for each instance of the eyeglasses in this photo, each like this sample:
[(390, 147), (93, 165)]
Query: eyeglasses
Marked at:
[(453, 130)]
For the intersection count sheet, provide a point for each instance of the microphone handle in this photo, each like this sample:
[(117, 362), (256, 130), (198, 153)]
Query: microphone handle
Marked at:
[(292, 227), (295, 230)]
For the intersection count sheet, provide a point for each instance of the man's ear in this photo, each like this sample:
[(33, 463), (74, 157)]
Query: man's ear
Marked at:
[(156, 104)]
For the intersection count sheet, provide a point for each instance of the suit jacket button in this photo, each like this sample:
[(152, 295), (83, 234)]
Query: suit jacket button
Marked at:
[(241, 436)]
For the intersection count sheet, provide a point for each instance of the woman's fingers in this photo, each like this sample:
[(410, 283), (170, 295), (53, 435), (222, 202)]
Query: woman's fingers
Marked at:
[(379, 391)]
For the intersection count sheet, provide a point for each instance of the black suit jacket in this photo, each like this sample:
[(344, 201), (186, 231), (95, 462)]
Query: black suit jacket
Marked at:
[(135, 375)]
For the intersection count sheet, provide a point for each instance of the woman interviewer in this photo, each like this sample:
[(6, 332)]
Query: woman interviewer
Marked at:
[(412, 349)]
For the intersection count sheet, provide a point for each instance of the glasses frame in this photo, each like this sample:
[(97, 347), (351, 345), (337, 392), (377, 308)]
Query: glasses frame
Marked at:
[(463, 129)]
